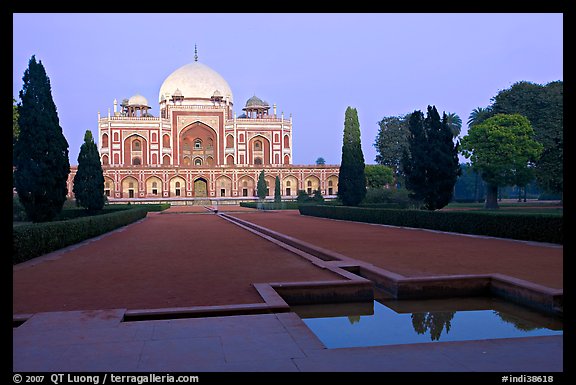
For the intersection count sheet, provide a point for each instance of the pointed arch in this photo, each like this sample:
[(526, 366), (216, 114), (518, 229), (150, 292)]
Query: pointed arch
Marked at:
[(135, 147), (290, 185), (311, 184), (153, 186), (177, 186), (259, 148), (109, 186), (198, 140), (129, 186), (223, 186), (246, 186), (332, 185)]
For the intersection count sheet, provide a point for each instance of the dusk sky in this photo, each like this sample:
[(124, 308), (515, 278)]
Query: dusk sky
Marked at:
[(312, 66)]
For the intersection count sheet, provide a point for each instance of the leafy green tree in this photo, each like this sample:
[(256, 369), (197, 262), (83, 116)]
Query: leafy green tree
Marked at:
[(351, 180), (454, 123), (378, 176), (89, 179), (543, 105), (432, 167), (277, 191), (500, 148), (261, 188), (392, 142), (320, 161), (41, 151)]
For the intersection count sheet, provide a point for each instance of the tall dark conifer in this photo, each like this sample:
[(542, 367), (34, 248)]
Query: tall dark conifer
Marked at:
[(41, 152), (277, 190), (261, 188), (89, 179), (414, 159), (351, 180), (431, 167)]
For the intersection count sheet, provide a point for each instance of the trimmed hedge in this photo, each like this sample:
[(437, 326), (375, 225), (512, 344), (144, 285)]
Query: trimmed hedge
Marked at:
[(290, 205), (33, 240), (67, 214), (537, 227)]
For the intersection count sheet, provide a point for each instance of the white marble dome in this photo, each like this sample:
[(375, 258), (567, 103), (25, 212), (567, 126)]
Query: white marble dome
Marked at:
[(138, 100), (195, 80)]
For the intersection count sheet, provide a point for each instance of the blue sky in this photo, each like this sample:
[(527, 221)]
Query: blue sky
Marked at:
[(312, 66)]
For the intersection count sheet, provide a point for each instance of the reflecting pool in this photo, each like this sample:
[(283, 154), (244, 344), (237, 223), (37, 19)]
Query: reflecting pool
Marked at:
[(388, 322)]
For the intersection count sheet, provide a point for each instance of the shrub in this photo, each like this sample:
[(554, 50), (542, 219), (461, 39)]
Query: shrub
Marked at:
[(392, 198), (33, 240), (530, 227), (286, 205)]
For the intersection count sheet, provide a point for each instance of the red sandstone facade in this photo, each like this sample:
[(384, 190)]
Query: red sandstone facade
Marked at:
[(198, 147)]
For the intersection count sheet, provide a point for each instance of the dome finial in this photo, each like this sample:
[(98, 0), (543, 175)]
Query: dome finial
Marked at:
[(195, 52)]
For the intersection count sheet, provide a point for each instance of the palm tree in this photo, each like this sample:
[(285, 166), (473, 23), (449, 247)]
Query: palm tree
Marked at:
[(478, 115), (454, 123)]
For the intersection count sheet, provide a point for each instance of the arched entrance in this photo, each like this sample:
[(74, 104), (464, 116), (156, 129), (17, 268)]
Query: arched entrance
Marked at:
[(200, 188)]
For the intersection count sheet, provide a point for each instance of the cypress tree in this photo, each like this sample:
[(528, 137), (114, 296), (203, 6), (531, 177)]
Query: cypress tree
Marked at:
[(351, 180), (277, 192), (415, 157), (261, 188), (41, 151), (89, 179)]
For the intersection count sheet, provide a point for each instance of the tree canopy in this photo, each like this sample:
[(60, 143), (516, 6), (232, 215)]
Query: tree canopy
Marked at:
[(431, 165), (543, 106), (501, 148), (41, 151), (378, 176), (392, 141), (454, 123), (478, 115), (351, 179)]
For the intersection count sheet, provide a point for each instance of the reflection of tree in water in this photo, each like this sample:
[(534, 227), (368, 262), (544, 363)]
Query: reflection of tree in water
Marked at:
[(432, 321), (353, 319), (518, 323)]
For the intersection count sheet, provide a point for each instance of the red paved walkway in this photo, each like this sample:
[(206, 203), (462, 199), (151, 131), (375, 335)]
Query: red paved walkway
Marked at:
[(167, 260), (414, 252)]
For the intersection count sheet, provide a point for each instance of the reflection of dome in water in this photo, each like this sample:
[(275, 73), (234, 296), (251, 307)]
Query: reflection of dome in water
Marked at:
[(195, 80)]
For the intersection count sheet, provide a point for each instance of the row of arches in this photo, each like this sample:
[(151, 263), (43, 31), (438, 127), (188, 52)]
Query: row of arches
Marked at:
[(223, 186), (197, 148), (166, 142), (153, 138), (190, 160)]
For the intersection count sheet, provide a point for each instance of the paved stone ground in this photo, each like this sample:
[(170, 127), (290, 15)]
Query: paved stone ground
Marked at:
[(98, 341), (417, 252), (194, 259)]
